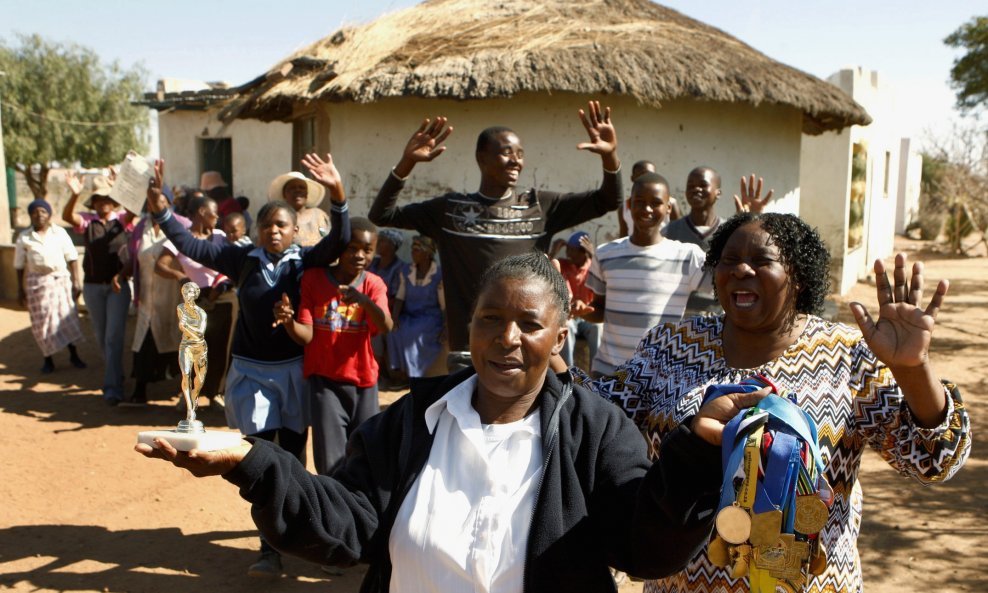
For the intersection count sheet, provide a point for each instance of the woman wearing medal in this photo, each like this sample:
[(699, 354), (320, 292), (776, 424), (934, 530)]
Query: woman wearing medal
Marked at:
[(869, 386)]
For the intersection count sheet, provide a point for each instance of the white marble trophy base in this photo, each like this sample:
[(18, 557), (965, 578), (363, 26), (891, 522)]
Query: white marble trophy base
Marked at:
[(210, 440)]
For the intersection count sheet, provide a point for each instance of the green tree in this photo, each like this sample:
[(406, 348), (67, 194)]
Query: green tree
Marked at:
[(954, 194), (969, 76), (60, 103)]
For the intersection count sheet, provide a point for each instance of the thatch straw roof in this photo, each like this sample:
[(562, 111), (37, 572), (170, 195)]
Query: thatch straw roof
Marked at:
[(480, 49)]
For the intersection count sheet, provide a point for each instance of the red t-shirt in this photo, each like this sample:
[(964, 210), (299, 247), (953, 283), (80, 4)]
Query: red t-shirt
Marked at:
[(340, 349), (576, 279)]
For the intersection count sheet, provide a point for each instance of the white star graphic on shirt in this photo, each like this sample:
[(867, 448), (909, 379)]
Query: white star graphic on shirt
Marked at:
[(470, 216)]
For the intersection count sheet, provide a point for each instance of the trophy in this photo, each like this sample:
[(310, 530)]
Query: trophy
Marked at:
[(190, 433)]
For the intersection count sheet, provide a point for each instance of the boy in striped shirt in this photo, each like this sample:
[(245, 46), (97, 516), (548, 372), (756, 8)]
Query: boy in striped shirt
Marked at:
[(641, 280)]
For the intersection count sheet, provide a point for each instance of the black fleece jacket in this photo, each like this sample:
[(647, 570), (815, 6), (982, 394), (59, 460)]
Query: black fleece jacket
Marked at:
[(600, 501)]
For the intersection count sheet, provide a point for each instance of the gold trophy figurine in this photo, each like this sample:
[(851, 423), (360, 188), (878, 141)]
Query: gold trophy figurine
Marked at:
[(190, 434), (191, 355)]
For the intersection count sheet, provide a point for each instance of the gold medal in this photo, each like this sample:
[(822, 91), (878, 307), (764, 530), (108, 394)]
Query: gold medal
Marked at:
[(792, 568), (718, 552), (733, 524), (775, 556), (742, 556), (766, 527), (811, 514)]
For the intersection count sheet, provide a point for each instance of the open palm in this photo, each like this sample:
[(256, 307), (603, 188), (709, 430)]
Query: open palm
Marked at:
[(323, 171), (597, 121), (426, 143), (901, 337)]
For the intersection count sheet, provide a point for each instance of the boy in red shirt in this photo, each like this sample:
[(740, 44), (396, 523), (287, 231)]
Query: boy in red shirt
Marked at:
[(342, 307), (574, 268)]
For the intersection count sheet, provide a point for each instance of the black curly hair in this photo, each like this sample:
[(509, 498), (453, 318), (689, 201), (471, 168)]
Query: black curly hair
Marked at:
[(804, 256), (527, 266)]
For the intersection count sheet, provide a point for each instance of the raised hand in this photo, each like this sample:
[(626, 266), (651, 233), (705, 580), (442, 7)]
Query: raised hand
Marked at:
[(901, 337), (426, 143), (74, 182), (603, 136), (199, 463), (750, 199), (326, 174), (157, 202), (283, 312), (587, 245), (557, 245)]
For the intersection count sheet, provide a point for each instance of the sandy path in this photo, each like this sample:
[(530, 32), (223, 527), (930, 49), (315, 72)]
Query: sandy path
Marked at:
[(79, 511)]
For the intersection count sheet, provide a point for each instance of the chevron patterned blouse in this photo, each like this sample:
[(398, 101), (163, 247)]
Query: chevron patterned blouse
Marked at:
[(837, 379)]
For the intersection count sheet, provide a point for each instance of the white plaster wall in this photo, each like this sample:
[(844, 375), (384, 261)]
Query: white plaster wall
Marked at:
[(178, 134), (910, 179), (869, 90), (826, 167), (825, 181), (367, 140), (261, 151)]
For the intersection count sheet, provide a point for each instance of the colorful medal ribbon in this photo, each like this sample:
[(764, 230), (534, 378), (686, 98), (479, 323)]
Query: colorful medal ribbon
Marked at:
[(774, 499)]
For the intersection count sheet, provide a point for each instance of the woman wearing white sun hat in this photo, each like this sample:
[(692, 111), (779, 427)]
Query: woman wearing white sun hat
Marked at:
[(303, 195)]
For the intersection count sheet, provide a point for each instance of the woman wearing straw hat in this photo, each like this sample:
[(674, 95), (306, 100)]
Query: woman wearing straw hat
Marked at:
[(303, 195), (105, 285)]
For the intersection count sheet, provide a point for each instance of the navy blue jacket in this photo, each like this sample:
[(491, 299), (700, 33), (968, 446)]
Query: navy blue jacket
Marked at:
[(255, 336), (600, 502)]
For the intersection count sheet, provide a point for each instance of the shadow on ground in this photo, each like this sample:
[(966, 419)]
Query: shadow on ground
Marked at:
[(77, 558)]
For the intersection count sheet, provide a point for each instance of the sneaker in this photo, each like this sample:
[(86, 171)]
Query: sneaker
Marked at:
[(48, 368), (268, 566), (77, 362)]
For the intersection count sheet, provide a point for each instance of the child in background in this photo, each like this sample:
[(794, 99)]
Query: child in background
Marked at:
[(236, 229), (575, 268), (341, 308), (641, 280)]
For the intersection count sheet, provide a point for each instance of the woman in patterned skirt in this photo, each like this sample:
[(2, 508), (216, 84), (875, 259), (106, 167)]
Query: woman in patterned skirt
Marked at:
[(47, 284), (868, 386)]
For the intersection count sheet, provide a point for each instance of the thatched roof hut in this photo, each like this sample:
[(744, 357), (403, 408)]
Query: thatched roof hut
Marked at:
[(482, 49)]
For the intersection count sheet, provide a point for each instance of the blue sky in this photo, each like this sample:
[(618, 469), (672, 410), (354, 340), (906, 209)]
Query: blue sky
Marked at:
[(238, 40)]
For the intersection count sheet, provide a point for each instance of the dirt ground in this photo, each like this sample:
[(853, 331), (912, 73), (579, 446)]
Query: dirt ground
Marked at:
[(80, 511)]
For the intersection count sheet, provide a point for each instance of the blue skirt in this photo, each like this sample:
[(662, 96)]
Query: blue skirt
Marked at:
[(264, 396)]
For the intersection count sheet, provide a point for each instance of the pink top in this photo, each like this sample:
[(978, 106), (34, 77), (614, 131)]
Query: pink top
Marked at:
[(203, 277), (88, 217)]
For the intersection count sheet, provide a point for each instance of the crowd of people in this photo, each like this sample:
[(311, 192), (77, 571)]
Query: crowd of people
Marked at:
[(505, 467)]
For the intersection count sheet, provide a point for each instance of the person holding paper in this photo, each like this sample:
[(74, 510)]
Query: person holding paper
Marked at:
[(105, 287)]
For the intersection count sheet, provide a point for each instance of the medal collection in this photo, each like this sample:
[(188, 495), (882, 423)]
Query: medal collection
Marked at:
[(774, 499)]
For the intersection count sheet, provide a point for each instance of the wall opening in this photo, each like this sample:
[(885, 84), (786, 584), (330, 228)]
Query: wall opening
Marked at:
[(216, 154)]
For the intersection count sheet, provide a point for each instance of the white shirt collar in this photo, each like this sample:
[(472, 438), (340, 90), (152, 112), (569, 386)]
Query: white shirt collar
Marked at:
[(459, 403)]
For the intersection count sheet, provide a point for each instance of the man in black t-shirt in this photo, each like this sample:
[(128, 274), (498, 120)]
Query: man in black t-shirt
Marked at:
[(475, 230)]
